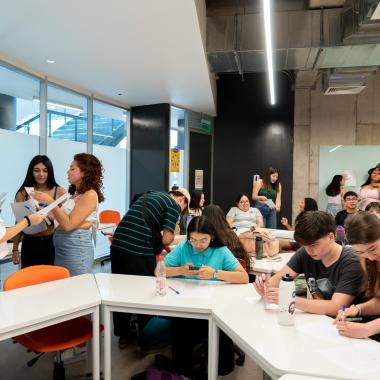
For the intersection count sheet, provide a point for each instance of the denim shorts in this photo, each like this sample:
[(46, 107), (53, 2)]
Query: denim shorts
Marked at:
[(74, 250)]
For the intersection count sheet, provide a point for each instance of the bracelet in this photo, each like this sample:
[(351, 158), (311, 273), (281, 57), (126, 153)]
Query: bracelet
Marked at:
[(359, 314), (28, 220)]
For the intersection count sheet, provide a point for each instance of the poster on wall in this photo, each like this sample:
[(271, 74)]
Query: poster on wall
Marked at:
[(198, 181), (174, 160), (349, 178)]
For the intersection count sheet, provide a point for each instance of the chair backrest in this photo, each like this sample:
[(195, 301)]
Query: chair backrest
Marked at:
[(36, 274), (109, 216), (243, 263)]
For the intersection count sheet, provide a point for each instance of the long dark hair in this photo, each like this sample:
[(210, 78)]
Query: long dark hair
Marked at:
[(195, 198), (364, 228), (238, 198), (310, 205), (370, 171), (92, 169), (333, 188), (267, 184), (29, 180), (216, 216), (202, 225)]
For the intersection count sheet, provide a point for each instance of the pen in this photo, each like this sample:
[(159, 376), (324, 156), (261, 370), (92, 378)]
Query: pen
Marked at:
[(28, 208), (343, 312), (174, 290), (353, 319)]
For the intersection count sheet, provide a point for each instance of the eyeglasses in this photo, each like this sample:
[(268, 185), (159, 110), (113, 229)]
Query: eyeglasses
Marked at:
[(351, 199), (204, 241)]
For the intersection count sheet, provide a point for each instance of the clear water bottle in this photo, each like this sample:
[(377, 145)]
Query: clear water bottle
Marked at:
[(340, 235), (259, 247), (160, 273), (286, 301)]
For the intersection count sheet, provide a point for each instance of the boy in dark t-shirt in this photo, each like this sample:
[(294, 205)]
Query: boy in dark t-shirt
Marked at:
[(333, 272)]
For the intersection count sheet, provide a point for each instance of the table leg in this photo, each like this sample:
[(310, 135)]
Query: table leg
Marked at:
[(213, 349), (95, 345), (107, 342)]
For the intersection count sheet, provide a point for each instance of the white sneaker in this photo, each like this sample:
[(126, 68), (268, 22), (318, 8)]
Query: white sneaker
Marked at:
[(73, 355)]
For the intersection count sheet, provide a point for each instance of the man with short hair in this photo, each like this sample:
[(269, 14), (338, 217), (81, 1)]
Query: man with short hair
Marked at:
[(351, 202), (333, 273), (149, 225)]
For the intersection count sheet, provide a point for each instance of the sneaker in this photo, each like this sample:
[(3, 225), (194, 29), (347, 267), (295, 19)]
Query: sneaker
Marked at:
[(74, 355)]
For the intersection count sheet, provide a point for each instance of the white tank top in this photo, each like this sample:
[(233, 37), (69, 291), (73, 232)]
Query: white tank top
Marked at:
[(337, 199)]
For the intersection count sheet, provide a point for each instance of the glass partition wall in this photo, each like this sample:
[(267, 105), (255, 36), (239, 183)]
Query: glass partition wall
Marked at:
[(61, 134)]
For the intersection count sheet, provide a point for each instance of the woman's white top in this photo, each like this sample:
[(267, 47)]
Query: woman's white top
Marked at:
[(337, 199), (3, 245), (2, 228), (244, 219)]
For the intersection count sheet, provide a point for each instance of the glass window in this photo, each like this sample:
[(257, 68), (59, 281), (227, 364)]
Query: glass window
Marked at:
[(110, 146), (19, 102), (18, 112), (66, 115), (177, 147)]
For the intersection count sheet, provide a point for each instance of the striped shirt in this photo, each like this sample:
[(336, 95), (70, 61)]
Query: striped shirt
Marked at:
[(134, 234)]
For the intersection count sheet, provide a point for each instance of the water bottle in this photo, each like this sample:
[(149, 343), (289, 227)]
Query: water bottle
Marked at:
[(259, 247), (340, 235), (286, 301), (160, 273)]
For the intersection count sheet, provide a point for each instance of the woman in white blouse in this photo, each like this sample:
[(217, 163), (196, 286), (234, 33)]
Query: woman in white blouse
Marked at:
[(243, 215)]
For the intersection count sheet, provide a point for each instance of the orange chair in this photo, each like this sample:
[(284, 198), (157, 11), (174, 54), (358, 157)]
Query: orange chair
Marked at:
[(109, 216), (58, 337)]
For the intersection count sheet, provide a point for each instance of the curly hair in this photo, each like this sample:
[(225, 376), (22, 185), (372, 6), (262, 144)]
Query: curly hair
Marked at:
[(92, 169)]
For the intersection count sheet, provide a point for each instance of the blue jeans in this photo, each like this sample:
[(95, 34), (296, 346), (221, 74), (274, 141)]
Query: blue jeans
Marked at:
[(269, 215), (74, 251)]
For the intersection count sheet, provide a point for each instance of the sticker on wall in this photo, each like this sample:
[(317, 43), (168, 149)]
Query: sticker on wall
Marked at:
[(198, 180), (349, 178), (174, 160)]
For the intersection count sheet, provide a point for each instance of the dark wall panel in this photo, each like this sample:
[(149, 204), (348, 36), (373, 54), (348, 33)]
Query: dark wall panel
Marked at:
[(251, 135), (200, 158), (150, 148)]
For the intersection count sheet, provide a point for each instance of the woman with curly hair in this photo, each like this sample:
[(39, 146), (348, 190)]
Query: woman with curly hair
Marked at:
[(77, 217)]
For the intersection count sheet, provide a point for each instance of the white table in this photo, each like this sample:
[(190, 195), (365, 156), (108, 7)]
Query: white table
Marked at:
[(34, 307), (136, 294), (300, 377), (265, 265), (311, 347)]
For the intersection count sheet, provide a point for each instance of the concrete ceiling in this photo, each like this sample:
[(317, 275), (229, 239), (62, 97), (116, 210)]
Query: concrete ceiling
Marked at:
[(148, 51)]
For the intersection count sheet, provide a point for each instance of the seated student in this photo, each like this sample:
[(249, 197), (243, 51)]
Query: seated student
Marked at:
[(197, 202), (10, 232), (374, 208), (333, 272), (243, 215), (205, 252), (351, 203), (307, 204), (363, 233), (228, 237)]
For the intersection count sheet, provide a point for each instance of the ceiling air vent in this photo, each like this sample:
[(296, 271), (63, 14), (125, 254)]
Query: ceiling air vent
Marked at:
[(346, 81)]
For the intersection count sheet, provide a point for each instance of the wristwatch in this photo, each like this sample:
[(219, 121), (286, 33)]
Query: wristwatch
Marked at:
[(216, 274)]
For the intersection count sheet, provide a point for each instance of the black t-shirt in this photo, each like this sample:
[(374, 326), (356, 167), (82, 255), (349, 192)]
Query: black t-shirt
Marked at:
[(340, 218), (344, 276)]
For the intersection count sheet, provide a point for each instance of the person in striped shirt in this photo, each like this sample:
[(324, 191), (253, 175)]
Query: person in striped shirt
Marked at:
[(149, 225)]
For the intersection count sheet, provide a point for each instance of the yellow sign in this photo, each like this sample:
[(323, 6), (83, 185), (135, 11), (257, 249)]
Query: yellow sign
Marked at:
[(174, 160)]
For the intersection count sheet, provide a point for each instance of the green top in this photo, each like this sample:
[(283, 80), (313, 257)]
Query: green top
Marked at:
[(270, 194)]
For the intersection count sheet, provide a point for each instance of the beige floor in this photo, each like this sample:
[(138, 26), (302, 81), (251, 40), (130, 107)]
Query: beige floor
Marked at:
[(125, 363)]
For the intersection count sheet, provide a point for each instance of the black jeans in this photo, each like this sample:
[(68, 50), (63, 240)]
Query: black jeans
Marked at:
[(37, 250), (139, 265), (186, 334)]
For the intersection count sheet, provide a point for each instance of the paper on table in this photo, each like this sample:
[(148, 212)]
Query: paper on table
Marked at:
[(22, 209), (50, 207), (193, 289), (356, 356)]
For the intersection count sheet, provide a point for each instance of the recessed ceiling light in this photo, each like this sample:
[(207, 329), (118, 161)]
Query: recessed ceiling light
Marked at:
[(50, 61)]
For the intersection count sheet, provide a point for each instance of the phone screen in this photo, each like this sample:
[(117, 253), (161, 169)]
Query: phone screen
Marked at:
[(193, 268)]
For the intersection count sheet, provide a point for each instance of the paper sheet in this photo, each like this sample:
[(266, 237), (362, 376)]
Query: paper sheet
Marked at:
[(270, 204), (192, 289), (2, 199), (50, 207), (3, 250), (21, 209)]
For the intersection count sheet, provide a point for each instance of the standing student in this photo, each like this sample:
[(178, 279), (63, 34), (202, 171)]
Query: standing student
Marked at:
[(351, 202), (204, 251), (149, 225), (363, 233), (335, 191), (333, 273), (370, 190), (37, 249), (77, 217), (268, 188)]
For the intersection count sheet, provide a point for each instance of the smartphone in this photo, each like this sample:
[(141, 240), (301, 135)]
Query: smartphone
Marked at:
[(194, 268)]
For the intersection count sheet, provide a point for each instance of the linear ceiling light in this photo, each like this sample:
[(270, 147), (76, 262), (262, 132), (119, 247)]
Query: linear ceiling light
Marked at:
[(268, 49)]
